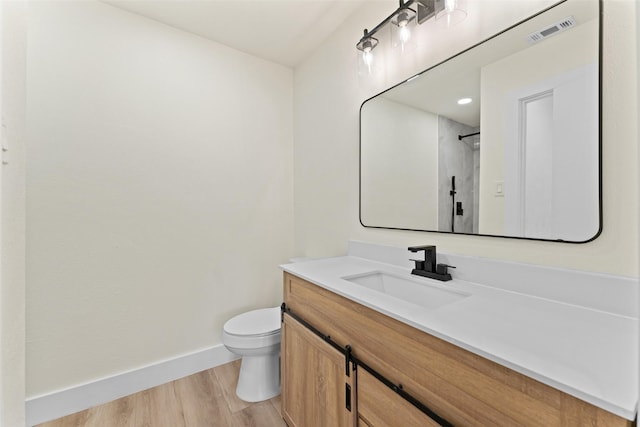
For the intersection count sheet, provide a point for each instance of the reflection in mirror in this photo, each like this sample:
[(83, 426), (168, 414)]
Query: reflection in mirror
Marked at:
[(502, 139)]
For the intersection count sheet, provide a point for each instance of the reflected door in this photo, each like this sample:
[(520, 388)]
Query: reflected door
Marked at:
[(550, 176)]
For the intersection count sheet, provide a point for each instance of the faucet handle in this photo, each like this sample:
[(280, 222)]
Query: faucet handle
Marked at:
[(442, 268)]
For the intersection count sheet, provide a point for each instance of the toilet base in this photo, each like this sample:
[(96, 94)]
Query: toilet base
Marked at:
[(259, 378)]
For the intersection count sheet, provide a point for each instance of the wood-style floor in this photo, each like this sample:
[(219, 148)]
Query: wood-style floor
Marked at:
[(205, 399)]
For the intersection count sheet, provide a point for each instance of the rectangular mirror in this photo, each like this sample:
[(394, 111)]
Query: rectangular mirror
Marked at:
[(521, 159)]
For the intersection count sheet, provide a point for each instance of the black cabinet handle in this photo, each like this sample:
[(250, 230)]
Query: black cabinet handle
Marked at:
[(347, 396)]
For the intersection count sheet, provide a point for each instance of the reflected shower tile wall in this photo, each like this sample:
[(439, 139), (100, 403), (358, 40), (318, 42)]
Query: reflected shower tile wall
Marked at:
[(456, 158)]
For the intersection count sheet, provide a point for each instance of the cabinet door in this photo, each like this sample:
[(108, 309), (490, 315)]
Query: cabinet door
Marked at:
[(315, 388), (379, 406)]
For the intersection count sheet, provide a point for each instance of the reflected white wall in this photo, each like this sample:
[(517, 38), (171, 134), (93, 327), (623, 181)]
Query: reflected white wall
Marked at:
[(399, 166)]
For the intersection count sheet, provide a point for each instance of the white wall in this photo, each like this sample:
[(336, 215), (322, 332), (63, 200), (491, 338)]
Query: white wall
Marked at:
[(637, 77), (159, 191), (13, 37), (327, 96), (399, 165)]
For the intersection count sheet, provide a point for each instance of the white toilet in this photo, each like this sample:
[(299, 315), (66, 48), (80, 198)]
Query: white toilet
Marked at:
[(255, 335)]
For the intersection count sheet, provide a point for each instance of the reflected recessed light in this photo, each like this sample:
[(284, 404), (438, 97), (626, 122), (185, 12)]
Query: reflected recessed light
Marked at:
[(464, 101)]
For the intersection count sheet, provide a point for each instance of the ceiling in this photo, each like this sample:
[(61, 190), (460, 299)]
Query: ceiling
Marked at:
[(281, 31)]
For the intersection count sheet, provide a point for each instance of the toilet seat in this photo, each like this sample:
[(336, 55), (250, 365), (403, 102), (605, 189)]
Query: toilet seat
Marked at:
[(255, 323)]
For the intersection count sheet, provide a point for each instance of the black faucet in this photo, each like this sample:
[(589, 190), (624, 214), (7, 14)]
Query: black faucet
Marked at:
[(429, 268)]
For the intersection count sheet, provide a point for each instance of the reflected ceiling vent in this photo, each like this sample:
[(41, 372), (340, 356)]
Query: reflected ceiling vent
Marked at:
[(556, 28)]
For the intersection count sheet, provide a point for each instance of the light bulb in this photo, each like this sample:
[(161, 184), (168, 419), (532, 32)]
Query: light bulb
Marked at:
[(367, 56), (403, 21), (405, 34), (450, 5)]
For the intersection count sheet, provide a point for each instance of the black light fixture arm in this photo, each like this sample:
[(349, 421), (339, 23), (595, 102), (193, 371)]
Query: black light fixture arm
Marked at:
[(426, 9), (388, 19)]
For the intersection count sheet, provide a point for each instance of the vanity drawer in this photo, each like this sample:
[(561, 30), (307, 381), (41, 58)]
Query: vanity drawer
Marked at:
[(394, 412)]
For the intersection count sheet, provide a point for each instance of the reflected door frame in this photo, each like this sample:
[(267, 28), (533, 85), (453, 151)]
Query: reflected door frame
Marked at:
[(572, 212)]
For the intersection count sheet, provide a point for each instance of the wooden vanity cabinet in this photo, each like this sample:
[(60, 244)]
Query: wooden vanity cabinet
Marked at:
[(318, 392), (459, 386)]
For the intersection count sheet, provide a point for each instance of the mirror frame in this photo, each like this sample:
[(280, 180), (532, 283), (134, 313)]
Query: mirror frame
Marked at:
[(600, 114)]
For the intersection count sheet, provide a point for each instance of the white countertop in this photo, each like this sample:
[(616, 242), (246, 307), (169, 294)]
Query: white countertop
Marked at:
[(588, 353)]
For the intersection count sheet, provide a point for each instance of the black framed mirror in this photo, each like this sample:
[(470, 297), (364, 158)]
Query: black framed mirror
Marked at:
[(521, 159)]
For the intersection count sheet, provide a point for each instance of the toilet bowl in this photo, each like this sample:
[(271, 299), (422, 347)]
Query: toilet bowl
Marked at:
[(255, 335)]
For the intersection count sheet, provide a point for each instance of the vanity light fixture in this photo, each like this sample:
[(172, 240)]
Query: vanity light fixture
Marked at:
[(406, 16)]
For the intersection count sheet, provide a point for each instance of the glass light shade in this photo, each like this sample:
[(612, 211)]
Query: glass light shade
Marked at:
[(454, 12), (366, 62), (366, 56), (402, 24)]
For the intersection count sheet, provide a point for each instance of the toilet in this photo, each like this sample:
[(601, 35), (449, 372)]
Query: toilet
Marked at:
[(255, 335)]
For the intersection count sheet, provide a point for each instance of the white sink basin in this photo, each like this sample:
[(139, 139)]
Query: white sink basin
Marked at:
[(415, 291)]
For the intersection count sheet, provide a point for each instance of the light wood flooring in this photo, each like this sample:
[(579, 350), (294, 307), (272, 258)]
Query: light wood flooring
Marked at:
[(205, 399)]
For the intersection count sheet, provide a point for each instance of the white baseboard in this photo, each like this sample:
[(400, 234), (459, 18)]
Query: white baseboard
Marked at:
[(50, 406)]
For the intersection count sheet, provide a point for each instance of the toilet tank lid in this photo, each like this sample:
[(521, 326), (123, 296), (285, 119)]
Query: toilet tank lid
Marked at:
[(264, 321)]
